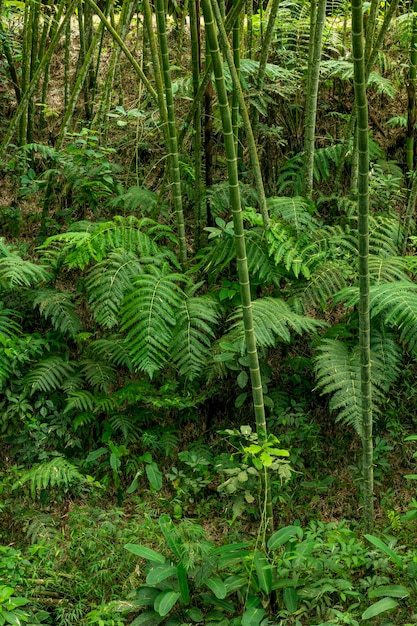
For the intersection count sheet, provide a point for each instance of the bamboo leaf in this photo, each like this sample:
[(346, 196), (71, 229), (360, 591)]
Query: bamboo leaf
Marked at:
[(282, 536), (145, 553), (378, 543)]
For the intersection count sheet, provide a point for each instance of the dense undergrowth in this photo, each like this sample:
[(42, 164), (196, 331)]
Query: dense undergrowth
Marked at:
[(131, 472)]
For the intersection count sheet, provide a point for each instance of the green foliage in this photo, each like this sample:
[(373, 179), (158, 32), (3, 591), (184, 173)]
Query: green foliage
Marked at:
[(58, 473), (17, 272), (338, 373), (58, 307)]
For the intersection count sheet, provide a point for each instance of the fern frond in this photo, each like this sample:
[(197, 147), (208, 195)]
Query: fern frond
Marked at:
[(149, 315), (59, 308), (326, 280), (81, 400), (294, 211), (9, 328), (338, 373), (261, 265), (385, 236), (272, 320), (192, 336), (218, 255), (89, 241), (98, 374), (107, 284), (124, 424), (113, 350), (58, 472), (48, 375), (397, 304), (17, 272), (383, 269), (136, 198)]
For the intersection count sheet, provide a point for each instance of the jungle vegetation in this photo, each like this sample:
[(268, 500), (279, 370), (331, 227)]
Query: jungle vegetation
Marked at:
[(208, 312)]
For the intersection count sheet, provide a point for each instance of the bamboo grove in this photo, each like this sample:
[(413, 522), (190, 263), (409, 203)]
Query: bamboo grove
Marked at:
[(250, 210)]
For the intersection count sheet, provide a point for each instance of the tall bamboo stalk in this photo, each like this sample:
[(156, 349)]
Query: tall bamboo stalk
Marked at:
[(313, 70), (250, 139), (241, 259), (172, 131), (31, 87), (200, 214), (363, 244), (411, 92)]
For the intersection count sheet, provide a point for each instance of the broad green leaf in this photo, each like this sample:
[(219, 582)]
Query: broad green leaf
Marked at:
[(5, 592), (159, 573), (263, 571), (234, 582), (217, 586), (242, 379), (154, 476), (290, 599), (252, 616), (165, 601), (115, 462), (145, 553), (282, 536), (145, 596), (378, 543), (386, 604), (195, 614), (11, 618), (393, 591)]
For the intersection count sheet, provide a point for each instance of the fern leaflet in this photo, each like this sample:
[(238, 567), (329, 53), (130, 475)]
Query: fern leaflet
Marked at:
[(149, 315), (59, 308), (48, 375)]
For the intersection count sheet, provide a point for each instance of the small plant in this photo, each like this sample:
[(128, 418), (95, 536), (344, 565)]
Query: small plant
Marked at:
[(12, 613)]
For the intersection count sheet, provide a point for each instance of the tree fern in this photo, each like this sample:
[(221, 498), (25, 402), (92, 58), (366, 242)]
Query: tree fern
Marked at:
[(48, 375), (193, 333), (149, 315), (273, 320), (56, 473), (17, 272), (60, 309)]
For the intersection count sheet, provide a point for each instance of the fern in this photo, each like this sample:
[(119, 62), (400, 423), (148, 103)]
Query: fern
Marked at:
[(113, 349), (88, 242), (17, 272), (9, 328), (397, 304), (149, 316), (81, 400), (272, 320), (98, 374), (123, 423), (193, 333), (48, 375), (326, 280), (338, 374), (59, 308), (107, 284), (136, 198), (58, 472)]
